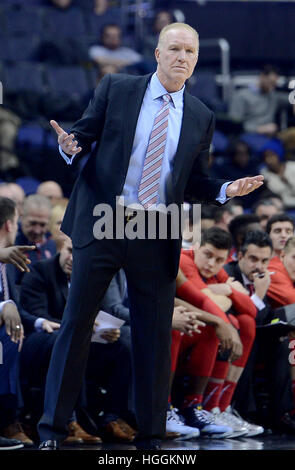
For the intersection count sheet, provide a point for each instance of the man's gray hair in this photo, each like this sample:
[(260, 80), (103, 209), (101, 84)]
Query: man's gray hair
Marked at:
[(36, 200)]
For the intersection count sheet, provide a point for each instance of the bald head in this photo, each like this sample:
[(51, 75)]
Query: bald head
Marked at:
[(50, 189), (177, 27), (176, 55)]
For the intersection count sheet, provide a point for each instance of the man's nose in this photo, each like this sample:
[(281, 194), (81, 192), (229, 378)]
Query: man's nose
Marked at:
[(181, 55)]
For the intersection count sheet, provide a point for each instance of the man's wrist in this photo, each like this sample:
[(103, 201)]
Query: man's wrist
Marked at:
[(2, 304)]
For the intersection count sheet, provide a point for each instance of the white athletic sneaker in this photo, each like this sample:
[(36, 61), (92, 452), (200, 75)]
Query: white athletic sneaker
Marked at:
[(174, 423), (227, 419), (253, 429)]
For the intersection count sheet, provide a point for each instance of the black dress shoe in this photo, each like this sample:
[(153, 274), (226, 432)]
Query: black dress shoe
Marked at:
[(287, 424), (49, 445), (147, 444)]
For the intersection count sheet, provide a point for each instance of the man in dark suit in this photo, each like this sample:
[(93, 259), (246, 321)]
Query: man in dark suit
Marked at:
[(44, 292), (11, 335), (139, 124), (251, 270)]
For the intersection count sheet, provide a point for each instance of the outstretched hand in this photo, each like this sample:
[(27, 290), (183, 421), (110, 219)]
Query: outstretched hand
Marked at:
[(17, 256), (66, 141), (244, 186)]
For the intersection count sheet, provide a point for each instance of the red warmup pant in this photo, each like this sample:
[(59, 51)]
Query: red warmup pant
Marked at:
[(247, 331), (197, 353)]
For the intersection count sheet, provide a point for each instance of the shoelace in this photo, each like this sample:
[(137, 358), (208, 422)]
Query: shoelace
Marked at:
[(239, 417), (232, 418), (173, 416), (203, 416)]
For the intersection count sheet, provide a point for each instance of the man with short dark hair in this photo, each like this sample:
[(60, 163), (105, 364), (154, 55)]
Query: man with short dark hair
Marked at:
[(252, 271), (239, 227), (111, 51), (280, 228), (265, 209), (256, 106)]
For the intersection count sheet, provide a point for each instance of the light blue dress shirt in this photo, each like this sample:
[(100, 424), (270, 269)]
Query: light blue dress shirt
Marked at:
[(152, 102)]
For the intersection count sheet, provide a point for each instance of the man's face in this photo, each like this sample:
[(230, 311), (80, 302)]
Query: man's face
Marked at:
[(255, 260), (111, 38), (280, 233), (264, 213), (268, 82), (209, 260), (35, 223), (66, 257), (177, 56)]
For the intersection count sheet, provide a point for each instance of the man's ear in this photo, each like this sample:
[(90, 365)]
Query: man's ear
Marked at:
[(8, 225), (157, 54)]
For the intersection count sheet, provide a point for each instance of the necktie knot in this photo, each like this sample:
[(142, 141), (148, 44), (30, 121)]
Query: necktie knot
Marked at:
[(167, 97)]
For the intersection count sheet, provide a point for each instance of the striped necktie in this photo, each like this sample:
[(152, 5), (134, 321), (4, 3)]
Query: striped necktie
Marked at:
[(4, 281), (150, 178)]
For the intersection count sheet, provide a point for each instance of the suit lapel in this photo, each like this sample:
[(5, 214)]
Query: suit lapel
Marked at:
[(133, 104), (189, 136)]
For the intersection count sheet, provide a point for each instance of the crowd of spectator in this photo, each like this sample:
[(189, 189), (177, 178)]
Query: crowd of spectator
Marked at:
[(227, 352)]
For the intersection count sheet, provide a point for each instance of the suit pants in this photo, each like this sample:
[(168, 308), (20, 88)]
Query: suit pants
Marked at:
[(151, 288)]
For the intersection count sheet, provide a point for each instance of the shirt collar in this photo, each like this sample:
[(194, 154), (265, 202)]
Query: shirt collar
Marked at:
[(246, 281), (158, 90)]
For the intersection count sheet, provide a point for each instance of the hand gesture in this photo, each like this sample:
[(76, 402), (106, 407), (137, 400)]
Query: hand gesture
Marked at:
[(261, 284), (16, 255), (66, 141), (244, 186)]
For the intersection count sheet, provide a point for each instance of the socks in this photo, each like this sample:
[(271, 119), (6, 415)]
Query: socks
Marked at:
[(192, 400), (212, 395), (226, 394)]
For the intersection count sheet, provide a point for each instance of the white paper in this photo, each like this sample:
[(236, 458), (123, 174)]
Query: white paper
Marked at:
[(106, 322)]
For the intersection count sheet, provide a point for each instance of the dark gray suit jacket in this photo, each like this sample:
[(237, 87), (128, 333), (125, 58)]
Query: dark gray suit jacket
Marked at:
[(110, 121)]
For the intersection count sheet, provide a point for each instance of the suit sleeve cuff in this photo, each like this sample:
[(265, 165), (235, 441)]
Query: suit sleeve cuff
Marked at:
[(68, 160), (38, 324), (257, 301), (222, 197)]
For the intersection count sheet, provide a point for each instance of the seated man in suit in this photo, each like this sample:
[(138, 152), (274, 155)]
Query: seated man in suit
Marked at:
[(251, 270), (11, 336), (44, 292), (281, 290)]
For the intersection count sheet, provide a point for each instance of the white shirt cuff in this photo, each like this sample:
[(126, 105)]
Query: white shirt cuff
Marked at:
[(69, 160), (5, 302), (257, 301), (222, 197), (38, 324)]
